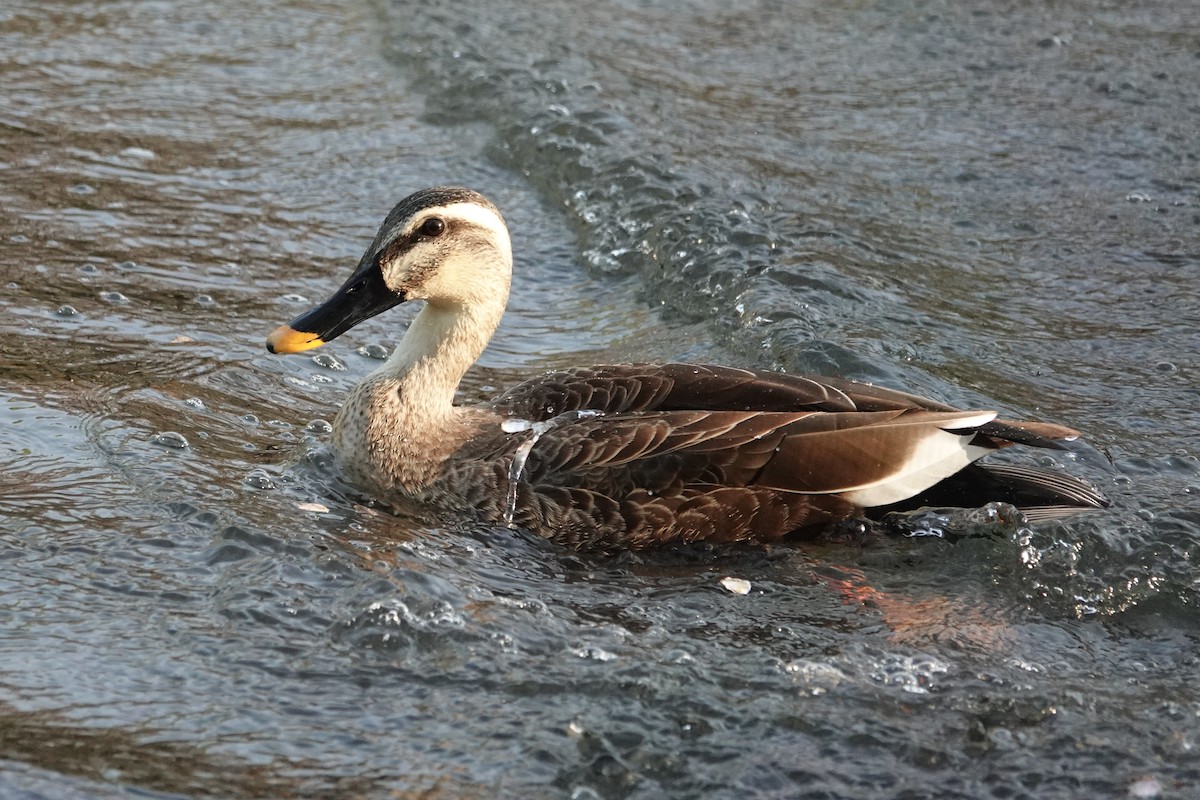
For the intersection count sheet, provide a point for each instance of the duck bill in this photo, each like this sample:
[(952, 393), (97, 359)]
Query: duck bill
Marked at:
[(359, 299)]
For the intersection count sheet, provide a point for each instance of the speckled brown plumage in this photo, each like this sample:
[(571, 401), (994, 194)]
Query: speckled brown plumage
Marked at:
[(665, 462), (629, 456)]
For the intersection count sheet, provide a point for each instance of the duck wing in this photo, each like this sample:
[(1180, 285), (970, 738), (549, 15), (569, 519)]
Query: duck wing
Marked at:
[(869, 458), (632, 455), (624, 388), (682, 387), (634, 479)]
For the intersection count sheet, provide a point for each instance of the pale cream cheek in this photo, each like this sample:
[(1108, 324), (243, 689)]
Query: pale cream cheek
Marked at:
[(461, 283)]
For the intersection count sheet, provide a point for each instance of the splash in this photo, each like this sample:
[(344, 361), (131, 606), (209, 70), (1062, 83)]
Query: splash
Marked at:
[(536, 430)]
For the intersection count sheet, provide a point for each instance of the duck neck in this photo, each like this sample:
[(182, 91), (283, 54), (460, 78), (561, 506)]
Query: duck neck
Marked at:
[(439, 347)]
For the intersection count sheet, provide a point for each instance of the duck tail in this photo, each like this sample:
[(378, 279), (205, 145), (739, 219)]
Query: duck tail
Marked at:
[(1039, 493)]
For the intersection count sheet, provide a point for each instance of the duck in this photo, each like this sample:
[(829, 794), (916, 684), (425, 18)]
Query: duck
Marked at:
[(630, 456)]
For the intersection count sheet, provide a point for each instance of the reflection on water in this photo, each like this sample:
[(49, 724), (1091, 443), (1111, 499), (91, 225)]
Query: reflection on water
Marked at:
[(994, 206)]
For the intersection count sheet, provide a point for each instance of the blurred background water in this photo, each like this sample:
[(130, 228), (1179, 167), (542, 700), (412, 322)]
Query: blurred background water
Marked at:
[(995, 204)]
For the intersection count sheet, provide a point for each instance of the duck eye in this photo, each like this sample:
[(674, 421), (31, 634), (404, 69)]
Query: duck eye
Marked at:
[(433, 227)]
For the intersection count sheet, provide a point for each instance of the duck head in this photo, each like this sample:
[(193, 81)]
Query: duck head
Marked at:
[(446, 245)]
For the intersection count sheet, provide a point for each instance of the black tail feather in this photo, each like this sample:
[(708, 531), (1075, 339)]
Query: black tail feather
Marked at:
[(1040, 493)]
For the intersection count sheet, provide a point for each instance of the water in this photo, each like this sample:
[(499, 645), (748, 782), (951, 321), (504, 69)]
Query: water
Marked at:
[(995, 205)]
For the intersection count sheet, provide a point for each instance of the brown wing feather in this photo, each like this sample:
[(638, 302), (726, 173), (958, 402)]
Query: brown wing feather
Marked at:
[(809, 452), (694, 387), (683, 452)]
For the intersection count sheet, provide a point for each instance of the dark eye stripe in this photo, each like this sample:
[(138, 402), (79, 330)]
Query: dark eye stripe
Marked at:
[(431, 228)]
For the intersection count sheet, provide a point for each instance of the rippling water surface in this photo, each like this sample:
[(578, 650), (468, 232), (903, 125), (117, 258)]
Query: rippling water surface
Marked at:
[(991, 203)]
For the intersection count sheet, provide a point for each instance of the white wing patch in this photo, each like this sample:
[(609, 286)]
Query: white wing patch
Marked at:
[(938, 455)]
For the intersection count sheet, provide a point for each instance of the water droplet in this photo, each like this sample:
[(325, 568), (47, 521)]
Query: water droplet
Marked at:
[(115, 298), (377, 351), (250, 419), (204, 300), (319, 427), (1139, 197), (194, 402), (328, 361), (90, 269), (515, 425), (279, 424), (81, 189), (1166, 366), (67, 311), (259, 479), (126, 265), (293, 299), (171, 439)]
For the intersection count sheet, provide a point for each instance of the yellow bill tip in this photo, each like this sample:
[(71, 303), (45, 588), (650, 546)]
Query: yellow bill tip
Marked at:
[(286, 339)]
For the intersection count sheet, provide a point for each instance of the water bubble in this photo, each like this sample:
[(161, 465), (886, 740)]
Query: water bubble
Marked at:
[(114, 298), (328, 361), (913, 674), (376, 351), (593, 653), (175, 441), (259, 479), (67, 311), (678, 656), (1145, 787), (319, 427), (1166, 366)]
